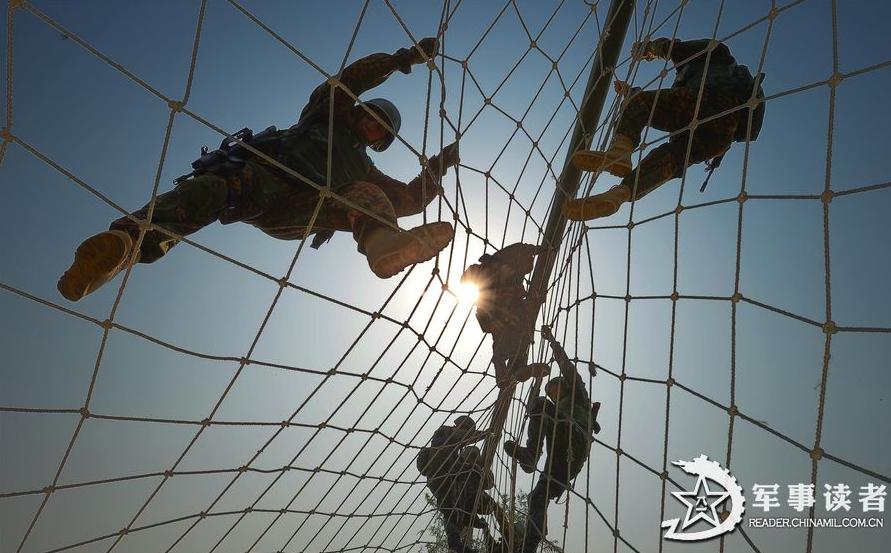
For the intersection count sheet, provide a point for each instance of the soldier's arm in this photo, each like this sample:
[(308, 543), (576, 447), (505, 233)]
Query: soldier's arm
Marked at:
[(411, 198), (450, 437), (407, 198), (359, 76), (519, 256), (363, 75), (567, 367), (685, 51)]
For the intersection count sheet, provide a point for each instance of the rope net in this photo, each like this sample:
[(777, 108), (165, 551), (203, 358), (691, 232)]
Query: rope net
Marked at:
[(263, 405)]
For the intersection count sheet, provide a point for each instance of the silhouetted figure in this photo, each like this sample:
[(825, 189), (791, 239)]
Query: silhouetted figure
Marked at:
[(233, 184), (457, 480), (725, 85), (505, 309), (564, 422)]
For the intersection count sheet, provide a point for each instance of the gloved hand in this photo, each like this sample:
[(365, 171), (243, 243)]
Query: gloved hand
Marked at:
[(412, 56), (448, 157), (651, 49)]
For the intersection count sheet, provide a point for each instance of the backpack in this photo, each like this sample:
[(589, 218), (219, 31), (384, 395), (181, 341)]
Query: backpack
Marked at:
[(747, 83)]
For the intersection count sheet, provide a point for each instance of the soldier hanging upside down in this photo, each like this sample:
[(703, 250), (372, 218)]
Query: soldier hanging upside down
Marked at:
[(457, 480), (233, 184), (566, 421), (726, 86), (505, 309)]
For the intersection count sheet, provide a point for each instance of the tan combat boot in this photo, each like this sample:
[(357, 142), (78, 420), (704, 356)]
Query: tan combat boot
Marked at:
[(389, 251), (96, 261), (599, 205), (616, 160)]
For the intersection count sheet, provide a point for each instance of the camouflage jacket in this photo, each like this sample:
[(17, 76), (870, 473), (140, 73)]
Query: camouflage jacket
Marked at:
[(350, 161), (689, 57), (441, 462), (503, 305)]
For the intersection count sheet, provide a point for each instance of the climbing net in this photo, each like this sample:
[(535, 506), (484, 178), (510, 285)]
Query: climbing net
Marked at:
[(337, 471)]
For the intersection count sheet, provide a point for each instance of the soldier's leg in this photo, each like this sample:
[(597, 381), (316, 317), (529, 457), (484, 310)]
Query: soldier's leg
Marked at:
[(507, 349), (663, 163), (536, 521), (455, 540), (191, 205), (558, 470), (369, 198), (554, 480), (674, 109), (635, 114), (669, 161), (388, 251), (667, 110), (541, 414)]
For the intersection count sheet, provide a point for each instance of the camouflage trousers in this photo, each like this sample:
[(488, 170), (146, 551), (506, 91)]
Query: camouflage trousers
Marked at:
[(261, 197), (675, 110), (512, 335), (567, 454), (461, 513)]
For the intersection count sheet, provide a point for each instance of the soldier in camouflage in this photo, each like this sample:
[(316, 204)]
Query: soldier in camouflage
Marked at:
[(565, 421), (457, 480), (251, 190), (704, 64), (506, 310)]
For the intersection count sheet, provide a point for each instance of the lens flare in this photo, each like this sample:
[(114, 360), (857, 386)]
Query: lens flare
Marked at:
[(467, 293)]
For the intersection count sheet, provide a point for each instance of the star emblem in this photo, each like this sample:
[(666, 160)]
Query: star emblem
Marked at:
[(698, 505)]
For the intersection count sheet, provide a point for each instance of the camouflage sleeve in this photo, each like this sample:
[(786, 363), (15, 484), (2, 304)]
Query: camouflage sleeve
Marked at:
[(568, 370), (692, 50), (519, 256), (497, 274), (407, 199), (441, 436), (359, 76), (449, 437)]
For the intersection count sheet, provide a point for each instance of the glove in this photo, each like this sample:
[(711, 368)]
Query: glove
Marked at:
[(622, 88), (651, 49), (411, 56), (448, 157)]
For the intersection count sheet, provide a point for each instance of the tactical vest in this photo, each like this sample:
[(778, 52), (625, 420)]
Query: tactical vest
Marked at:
[(746, 83), (735, 78), (578, 412), (305, 150), (691, 74)]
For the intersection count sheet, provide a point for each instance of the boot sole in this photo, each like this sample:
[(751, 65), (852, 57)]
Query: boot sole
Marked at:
[(94, 260), (587, 209), (425, 244), (600, 161)]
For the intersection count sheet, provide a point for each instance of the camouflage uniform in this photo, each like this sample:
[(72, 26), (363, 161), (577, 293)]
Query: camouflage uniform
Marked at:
[(566, 427), (675, 110), (504, 308), (457, 482), (268, 198), (468, 499)]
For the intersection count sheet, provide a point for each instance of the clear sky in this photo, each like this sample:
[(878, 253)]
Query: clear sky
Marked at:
[(185, 321)]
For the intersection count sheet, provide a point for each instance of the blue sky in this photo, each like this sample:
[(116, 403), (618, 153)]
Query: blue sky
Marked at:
[(108, 132)]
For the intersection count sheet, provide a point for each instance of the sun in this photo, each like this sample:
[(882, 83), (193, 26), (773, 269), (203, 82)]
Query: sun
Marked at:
[(467, 293)]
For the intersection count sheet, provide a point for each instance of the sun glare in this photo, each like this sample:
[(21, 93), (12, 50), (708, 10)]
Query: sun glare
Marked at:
[(467, 293)]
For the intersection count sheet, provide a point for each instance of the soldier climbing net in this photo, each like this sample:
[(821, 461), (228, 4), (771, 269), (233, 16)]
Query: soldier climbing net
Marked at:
[(341, 476)]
